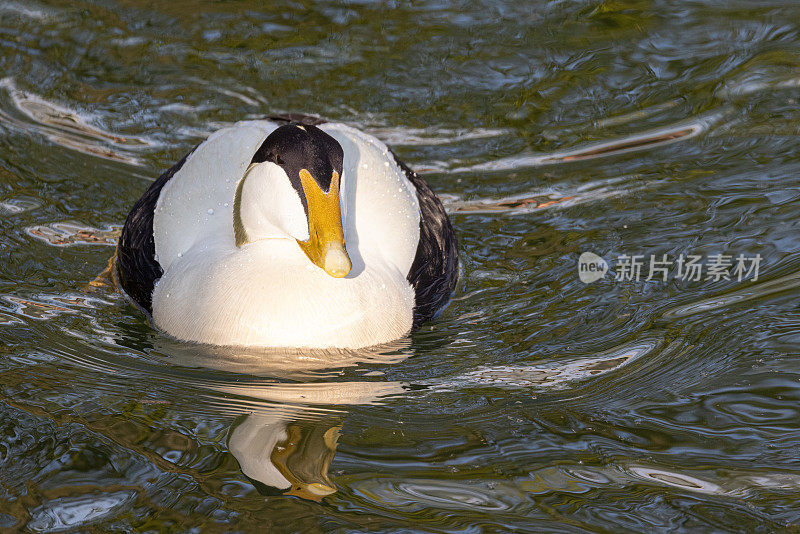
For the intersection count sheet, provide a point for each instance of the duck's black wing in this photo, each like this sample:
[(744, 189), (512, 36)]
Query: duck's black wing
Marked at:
[(434, 272), (136, 264)]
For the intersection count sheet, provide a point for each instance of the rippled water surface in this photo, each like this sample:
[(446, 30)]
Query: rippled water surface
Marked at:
[(536, 402)]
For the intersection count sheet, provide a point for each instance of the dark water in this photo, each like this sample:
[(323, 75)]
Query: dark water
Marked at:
[(536, 402)]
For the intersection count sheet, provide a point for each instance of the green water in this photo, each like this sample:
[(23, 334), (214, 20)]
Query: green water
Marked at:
[(536, 402)]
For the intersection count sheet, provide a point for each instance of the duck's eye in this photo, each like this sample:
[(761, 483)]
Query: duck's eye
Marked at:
[(277, 159)]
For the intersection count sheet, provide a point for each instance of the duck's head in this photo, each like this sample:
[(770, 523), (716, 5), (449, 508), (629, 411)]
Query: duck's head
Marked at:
[(291, 190)]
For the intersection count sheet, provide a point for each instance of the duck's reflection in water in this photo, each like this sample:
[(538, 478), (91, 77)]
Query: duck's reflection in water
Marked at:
[(286, 443), (288, 457)]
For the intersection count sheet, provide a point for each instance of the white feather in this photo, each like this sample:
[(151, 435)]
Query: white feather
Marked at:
[(198, 201), (381, 213), (267, 292), (271, 207)]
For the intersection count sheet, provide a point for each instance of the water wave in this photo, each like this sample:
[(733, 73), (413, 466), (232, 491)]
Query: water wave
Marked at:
[(623, 145), (28, 113)]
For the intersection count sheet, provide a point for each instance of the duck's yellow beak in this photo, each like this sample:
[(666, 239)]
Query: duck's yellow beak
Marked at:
[(325, 246)]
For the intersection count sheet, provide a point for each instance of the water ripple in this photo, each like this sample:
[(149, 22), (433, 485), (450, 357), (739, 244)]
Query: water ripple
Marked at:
[(413, 495), (750, 291), (522, 203), (64, 234), (29, 113), (557, 374), (642, 141), (69, 513)]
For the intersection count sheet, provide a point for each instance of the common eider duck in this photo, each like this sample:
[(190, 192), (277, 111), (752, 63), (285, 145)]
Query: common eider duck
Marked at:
[(288, 232)]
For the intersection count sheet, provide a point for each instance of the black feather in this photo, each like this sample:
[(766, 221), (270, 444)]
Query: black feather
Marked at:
[(434, 272), (137, 268)]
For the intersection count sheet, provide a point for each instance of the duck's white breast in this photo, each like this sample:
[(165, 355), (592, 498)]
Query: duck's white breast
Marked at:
[(267, 293)]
